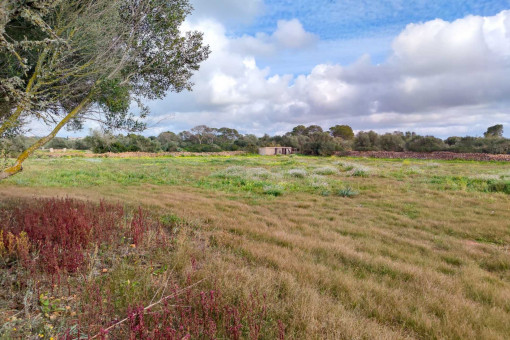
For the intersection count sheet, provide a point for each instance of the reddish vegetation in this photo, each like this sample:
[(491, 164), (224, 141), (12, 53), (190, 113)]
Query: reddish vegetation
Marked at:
[(56, 237), (60, 231), (429, 155), (191, 315)]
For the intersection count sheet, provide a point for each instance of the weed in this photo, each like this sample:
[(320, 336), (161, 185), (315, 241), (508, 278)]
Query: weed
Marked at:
[(298, 173), (347, 192), (273, 190), (360, 172), (327, 170)]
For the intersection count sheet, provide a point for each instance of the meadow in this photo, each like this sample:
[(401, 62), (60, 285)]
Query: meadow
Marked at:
[(307, 247)]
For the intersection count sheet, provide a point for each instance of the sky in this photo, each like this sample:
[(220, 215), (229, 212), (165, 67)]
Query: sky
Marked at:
[(437, 67)]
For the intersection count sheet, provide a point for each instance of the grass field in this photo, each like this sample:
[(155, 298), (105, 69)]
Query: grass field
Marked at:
[(341, 248)]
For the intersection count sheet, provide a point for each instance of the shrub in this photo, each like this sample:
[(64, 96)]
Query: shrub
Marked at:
[(327, 170), (360, 171), (58, 232), (259, 173), (347, 192), (317, 181), (273, 190), (298, 173)]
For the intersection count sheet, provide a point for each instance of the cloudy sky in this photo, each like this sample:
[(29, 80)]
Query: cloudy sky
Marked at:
[(438, 67)]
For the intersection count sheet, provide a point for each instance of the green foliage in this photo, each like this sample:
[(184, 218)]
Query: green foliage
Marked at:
[(367, 141), (392, 142), (495, 131), (342, 131), (273, 190), (91, 59), (347, 192), (425, 144)]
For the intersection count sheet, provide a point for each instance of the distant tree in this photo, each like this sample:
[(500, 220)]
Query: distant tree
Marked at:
[(342, 131), (392, 142), (320, 144), (425, 144), (312, 129), (299, 130), (167, 137), (203, 133), (451, 141), (495, 131), (226, 134), (367, 141)]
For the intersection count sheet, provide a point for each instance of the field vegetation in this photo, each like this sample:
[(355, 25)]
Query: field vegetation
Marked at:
[(264, 247)]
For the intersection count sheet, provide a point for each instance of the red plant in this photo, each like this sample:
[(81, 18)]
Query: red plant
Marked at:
[(188, 314), (61, 231)]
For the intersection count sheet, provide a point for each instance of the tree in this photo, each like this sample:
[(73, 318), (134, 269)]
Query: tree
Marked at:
[(367, 141), (203, 133), (392, 142), (108, 54), (495, 131), (312, 129), (342, 131), (425, 144), (299, 130), (15, 62)]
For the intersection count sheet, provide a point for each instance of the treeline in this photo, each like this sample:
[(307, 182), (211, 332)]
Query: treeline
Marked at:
[(311, 140)]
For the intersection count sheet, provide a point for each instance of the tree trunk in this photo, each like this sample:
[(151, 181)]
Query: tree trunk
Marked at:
[(17, 167)]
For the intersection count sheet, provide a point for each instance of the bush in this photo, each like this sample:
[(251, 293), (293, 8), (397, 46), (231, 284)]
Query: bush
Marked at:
[(327, 170), (273, 190), (204, 148), (298, 173), (347, 192), (425, 144), (57, 233)]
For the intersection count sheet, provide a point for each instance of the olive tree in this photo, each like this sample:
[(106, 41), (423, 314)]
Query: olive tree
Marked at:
[(99, 57)]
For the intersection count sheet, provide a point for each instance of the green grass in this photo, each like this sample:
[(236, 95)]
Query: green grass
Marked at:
[(342, 247)]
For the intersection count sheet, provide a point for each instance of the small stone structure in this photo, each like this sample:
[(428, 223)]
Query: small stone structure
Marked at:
[(275, 150)]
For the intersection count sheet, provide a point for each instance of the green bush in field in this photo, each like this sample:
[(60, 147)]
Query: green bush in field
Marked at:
[(273, 190), (347, 192), (298, 173), (327, 170)]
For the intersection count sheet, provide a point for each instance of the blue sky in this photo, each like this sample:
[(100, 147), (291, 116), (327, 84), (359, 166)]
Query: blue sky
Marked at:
[(354, 27), (436, 67), (348, 19)]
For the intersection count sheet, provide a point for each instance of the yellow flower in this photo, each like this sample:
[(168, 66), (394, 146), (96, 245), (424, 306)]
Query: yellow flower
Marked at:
[(41, 335)]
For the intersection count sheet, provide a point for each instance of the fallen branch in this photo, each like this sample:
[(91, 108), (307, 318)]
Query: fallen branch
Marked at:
[(147, 308)]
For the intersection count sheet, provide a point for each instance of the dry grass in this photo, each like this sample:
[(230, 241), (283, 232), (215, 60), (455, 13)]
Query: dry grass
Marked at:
[(417, 254)]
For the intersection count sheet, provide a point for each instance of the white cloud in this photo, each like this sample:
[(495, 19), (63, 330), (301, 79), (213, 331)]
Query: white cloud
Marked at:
[(441, 77), (291, 34)]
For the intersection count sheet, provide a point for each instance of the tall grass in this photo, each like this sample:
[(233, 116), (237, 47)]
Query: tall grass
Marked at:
[(416, 255)]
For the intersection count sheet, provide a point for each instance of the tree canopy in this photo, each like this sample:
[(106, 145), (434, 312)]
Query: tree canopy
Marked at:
[(494, 131), (90, 59)]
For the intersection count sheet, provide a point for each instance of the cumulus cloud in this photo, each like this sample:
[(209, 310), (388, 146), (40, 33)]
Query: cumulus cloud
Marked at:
[(441, 77), (289, 35)]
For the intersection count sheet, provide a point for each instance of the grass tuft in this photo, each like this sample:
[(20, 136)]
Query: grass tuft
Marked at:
[(347, 192)]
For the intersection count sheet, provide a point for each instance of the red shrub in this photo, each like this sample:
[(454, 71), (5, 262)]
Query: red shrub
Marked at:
[(62, 230), (193, 315)]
